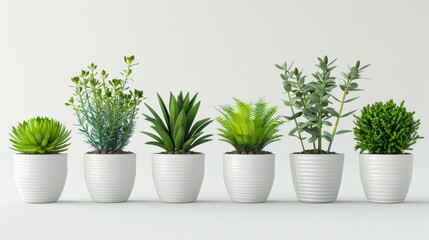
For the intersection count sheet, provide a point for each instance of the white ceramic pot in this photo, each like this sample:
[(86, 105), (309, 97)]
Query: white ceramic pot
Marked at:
[(386, 178), (110, 177), (178, 177), (317, 177), (248, 178), (40, 178)]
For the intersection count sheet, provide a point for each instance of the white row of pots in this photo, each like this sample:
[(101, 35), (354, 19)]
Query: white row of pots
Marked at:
[(248, 178)]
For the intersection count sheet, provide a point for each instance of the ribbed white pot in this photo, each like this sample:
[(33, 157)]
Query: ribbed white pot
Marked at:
[(178, 177), (248, 178), (40, 178), (110, 177), (386, 178), (317, 177)]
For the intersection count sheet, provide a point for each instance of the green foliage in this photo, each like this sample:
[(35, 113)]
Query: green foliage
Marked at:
[(106, 109), (311, 102), (249, 127), (40, 135), (385, 129), (176, 131)]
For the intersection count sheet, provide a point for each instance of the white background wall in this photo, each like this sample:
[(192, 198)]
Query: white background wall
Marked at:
[(222, 49)]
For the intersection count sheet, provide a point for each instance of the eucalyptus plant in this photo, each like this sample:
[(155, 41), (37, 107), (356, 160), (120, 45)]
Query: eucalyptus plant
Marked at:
[(311, 103), (386, 128), (249, 127), (177, 131), (40, 135), (106, 109)]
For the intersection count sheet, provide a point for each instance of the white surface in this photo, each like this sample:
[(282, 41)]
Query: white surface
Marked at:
[(221, 49), (248, 178), (386, 178), (213, 220), (110, 177), (40, 178), (317, 178), (178, 178)]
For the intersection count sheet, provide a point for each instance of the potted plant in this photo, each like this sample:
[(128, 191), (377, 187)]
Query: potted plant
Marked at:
[(106, 111), (385, 131), (40, 167), (177, 172), (317, 170), (249, 170)]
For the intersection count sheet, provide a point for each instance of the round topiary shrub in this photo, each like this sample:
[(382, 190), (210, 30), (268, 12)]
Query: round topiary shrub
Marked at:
[(385, 128)]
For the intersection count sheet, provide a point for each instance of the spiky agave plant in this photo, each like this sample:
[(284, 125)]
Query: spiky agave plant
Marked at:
[(40, 135), (177, 132), (249, 127)]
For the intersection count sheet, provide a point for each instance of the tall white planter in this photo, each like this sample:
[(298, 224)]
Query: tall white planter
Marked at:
[(178, 177), (110, 177), (248, 178), (386, 178), (40, 178), (317, 177)]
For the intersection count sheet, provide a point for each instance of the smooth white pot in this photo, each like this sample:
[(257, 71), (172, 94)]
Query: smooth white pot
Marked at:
[(40, 178), (248, 178), (317, 177), (178, 177), (110, 177), (386, 178)]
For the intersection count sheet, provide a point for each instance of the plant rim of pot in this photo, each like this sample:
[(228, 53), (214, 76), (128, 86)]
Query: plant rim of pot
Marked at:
[(177, 131), (310, 103), (249, 127), (386, 155)]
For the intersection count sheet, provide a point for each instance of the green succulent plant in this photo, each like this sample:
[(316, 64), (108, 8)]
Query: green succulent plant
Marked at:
[(311, 103), (176, 131), (249, 127), (106, 109), (40, 135), (386, 128)]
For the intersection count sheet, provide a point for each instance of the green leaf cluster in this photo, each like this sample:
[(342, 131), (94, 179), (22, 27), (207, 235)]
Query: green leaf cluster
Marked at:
[(311, 103), (249, 127), (385, 128), (106, 109), (177, 131), (40, 135)]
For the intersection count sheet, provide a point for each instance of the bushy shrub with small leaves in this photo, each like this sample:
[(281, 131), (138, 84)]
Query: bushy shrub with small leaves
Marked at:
[(386, 128), (106, 109)]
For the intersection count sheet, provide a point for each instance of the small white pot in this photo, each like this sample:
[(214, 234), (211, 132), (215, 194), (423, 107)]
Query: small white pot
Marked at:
[(386, 178), (178, 177), (317, 177), (248, 178), (110, 177), (40, 178)]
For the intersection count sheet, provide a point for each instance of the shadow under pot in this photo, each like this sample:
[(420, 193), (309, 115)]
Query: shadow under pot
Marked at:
[(40, 178), (110, 177), (178, 177), (386, 178), (317, 177), (248, 177)]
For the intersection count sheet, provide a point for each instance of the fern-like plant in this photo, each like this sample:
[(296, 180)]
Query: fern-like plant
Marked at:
[(386, 128), (177, 132), (40, 135), (106, 109), (249, 127)]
